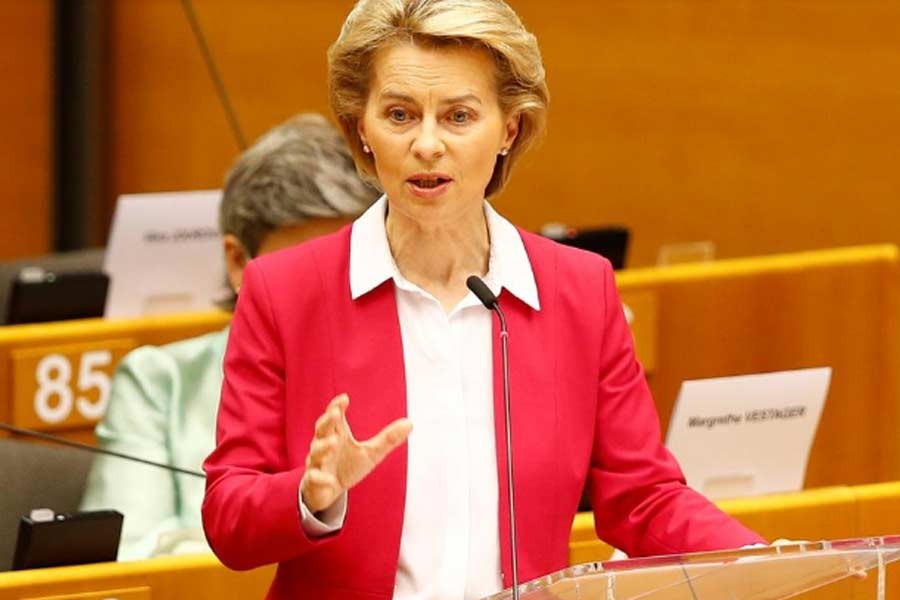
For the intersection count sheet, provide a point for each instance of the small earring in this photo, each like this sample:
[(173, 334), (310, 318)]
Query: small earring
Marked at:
[(504, 151), (366, 148)]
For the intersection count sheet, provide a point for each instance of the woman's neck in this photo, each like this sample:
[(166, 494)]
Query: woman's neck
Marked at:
[(439, 257)]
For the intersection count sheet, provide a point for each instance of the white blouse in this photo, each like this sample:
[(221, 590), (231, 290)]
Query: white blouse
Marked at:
[(449, 546)]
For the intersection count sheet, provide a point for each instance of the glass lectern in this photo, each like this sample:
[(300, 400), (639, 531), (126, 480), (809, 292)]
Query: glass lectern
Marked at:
[(763, 573)]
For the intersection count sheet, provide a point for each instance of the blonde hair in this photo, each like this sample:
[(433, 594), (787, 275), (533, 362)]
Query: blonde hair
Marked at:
[(488, 24)]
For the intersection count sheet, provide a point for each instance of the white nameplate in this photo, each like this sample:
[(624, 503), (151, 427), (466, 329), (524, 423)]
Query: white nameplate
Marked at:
[(748, 435), (165, 254)]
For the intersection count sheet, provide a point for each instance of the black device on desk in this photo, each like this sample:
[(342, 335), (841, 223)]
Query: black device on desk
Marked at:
[(609, 242), (47, 539), (39, 295)]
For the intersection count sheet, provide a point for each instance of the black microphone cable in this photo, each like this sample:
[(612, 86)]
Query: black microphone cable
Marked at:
[(87, 448)]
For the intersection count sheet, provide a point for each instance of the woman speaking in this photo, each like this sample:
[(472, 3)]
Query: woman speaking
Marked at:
[(345, 347)]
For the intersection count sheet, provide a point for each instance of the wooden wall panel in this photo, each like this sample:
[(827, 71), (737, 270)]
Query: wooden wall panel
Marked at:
[(765, 126), (168, 130), (26, 175)]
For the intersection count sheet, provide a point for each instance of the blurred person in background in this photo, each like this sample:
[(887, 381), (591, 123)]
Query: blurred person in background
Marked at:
[(296, 182)]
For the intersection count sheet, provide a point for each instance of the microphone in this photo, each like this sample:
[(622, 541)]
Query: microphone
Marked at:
[(64, 442), (487, 297)]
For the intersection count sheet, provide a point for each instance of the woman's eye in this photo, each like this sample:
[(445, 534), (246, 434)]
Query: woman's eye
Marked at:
[(398, 115), (459, 116)]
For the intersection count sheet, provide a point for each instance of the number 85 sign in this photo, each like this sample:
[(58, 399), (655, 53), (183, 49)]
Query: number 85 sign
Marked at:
[(58, 388)]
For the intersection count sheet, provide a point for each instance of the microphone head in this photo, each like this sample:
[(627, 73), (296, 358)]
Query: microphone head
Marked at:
[(481, 291)]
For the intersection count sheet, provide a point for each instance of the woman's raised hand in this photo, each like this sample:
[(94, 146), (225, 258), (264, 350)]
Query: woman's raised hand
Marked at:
[(337, 461)]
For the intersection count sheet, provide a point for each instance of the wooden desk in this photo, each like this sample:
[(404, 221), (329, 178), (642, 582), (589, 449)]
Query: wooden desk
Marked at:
[(641, 310), (836, 308), (198, 577), (827, 513), (839, 512), (57, 375)]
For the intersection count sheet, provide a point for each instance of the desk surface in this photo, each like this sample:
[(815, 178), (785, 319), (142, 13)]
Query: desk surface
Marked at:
[(827, 513), (195, 577)]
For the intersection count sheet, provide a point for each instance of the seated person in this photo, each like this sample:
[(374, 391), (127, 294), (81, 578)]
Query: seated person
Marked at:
[(295, 182)]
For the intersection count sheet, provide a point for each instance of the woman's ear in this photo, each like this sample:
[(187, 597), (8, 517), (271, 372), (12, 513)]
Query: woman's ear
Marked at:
[(361, 132), (235, 260), (512, 130)]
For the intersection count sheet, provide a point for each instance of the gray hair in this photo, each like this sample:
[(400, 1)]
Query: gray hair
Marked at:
[(299, 170)]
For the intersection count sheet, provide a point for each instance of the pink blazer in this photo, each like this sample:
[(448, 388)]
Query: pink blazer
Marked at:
[(581, 411)]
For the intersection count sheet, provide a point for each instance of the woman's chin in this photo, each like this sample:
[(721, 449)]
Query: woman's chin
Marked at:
[(440, 210)]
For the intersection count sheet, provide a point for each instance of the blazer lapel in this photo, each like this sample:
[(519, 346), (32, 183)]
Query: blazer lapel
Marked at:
[(370, 354)]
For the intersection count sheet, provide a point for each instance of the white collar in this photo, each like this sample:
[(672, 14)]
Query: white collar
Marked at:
[(371, 262)]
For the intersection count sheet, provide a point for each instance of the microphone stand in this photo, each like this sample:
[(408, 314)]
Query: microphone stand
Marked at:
[(489, 300), (504, 357)]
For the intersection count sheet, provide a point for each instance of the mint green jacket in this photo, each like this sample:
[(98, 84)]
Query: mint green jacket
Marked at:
[(162, 407)]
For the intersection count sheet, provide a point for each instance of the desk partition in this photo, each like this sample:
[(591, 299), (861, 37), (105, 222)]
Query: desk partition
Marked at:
[(57, 375), (197, 577), (836, 308)]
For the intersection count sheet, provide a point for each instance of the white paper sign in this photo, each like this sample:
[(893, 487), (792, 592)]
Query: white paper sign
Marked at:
[(165, 254), (748, 435)]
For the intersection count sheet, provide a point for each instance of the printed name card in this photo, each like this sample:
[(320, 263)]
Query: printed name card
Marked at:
[(748, 435), (165, 254)]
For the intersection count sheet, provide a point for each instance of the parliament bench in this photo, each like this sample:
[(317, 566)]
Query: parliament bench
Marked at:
[(58, 375), (837, 308)]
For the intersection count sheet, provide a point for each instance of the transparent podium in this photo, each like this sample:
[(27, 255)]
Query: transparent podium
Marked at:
[(764, 573)]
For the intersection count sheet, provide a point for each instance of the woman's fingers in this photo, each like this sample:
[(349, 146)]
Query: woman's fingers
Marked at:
[(386, 440), (320, 486), (323, 450), (336, 461), (333, 417), (341, 402), (325, 424)]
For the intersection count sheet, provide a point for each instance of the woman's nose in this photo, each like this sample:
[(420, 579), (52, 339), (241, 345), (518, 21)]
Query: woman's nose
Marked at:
[(428, 145)]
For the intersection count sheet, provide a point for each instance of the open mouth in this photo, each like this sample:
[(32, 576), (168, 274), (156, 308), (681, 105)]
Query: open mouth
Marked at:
[(428, 183)]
